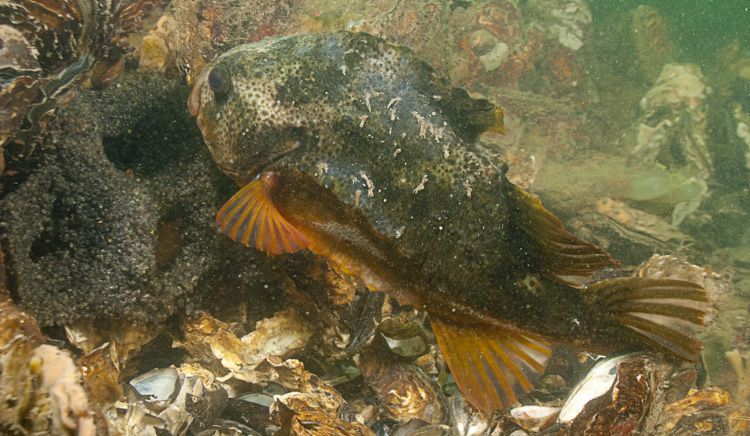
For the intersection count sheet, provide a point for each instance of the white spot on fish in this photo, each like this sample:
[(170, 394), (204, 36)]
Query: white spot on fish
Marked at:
[(425, 126), (368, 96), (370, 185), (420, 187), (467, 186), (367, 101), (393, 106)]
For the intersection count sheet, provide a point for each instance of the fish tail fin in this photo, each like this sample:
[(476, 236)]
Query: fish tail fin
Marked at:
[(491, 365), (664, 314)]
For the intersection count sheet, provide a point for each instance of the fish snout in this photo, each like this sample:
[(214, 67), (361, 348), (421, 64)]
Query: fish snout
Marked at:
[(194, 102)]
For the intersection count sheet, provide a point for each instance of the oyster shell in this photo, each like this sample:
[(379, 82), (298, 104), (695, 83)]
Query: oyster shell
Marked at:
[(673, 131), (40, 384), (213, 341), (387, 365), (177, 400), (156, 388), (594, 387), (48, 46), (101, 371)]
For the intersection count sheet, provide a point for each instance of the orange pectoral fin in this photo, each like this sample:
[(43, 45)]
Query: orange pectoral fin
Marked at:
[(251, 217), (491, 365)]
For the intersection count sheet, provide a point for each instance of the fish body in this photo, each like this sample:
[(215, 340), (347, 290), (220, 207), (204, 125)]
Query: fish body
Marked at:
[(355, 149), (359, 131)]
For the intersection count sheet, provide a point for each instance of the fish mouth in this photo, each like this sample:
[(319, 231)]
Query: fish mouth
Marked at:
[(258, 170), (194, 102)]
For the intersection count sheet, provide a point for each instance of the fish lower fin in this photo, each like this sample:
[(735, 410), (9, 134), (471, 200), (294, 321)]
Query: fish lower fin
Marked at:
[(666, 314), (491, 365), (250, 217), (548, 244)]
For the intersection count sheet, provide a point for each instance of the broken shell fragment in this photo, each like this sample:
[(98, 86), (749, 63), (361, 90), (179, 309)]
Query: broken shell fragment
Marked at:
[(291, 375), (102, 374), (60, 382), (534, 418), (125, 338), (226, 427), (177, 400), (412, 427), (629, 401), (300, 413), (404, 337), (466, 420), (593, 388), (209, 339), (311, 424), (157, 388), (405, 392), (250, 409), (691, 410), (40, 385)]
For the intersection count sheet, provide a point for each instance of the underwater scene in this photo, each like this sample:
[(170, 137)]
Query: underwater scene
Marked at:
[(390, 217)]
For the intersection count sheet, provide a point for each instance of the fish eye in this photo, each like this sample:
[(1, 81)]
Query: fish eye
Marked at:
[(218, 82)]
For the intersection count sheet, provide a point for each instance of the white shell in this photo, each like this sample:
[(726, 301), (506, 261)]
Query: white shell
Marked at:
[(534, 418), (597, 383)]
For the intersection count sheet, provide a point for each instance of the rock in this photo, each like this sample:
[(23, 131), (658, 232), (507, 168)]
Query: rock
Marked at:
[(153, 53)]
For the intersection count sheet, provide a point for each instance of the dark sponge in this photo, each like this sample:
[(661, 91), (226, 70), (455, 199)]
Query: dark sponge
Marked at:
[(117, 220)]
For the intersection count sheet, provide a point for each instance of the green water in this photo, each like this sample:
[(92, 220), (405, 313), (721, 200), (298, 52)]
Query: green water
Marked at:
[(699, 27)]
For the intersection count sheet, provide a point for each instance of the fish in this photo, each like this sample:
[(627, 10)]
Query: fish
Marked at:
[(358, 151)]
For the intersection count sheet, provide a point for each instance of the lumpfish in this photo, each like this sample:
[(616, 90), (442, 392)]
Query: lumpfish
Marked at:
[(355, 149)]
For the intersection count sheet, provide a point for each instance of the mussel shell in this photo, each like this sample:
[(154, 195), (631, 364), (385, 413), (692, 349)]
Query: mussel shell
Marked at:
[(46, 46), (157, 388)]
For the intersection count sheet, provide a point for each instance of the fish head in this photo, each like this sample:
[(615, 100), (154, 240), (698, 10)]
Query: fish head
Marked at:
[(237, 108)]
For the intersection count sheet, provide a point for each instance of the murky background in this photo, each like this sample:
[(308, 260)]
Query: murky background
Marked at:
[(123, 308)]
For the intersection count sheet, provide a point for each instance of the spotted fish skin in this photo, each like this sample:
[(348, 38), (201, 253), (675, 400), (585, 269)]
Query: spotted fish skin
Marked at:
[(368, 158)]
